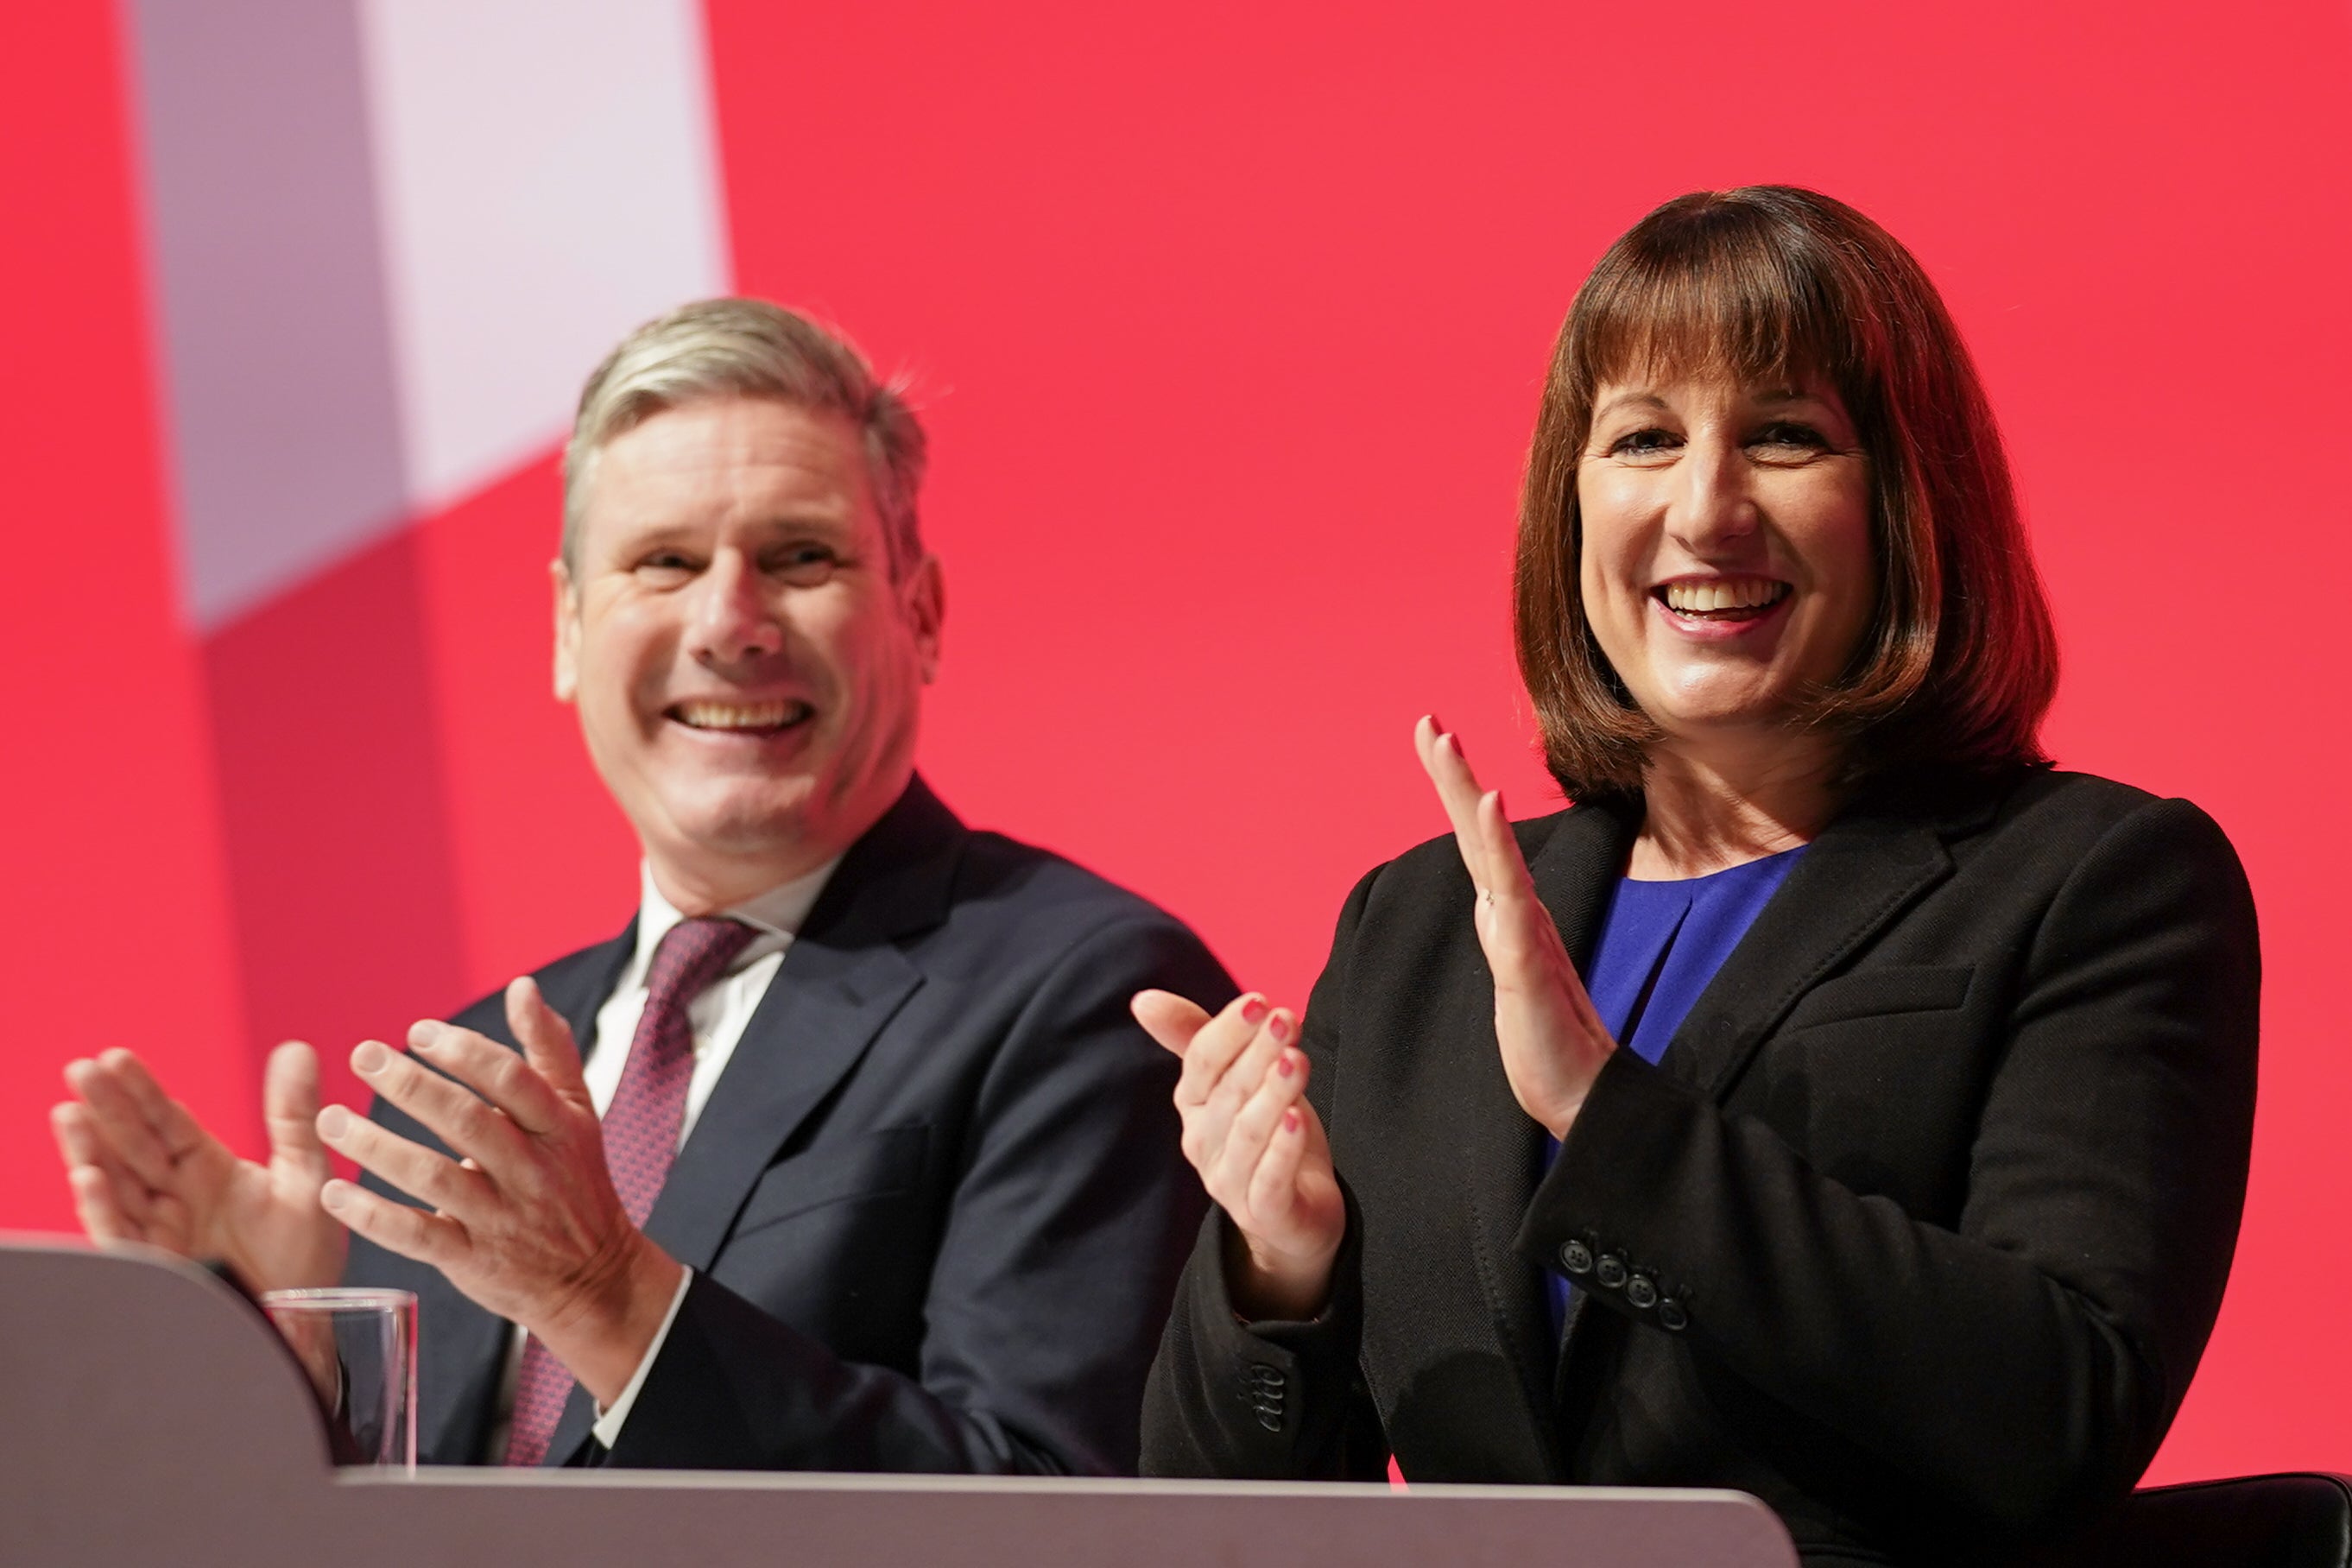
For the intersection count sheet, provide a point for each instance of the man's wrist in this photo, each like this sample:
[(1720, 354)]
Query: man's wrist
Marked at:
[(614, 1317), (611, 1418), (314, 1265)]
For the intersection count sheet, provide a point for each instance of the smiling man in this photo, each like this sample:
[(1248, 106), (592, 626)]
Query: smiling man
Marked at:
[(845, 1153)]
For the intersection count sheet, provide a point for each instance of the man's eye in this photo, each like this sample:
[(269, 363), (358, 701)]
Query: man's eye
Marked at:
[(804, 565), (1640, 443), (665, 562)]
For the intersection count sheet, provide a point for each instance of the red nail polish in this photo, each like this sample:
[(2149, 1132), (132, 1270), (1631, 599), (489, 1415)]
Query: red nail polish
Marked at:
[(1253, 1011), (1290, 1120), (1284, 1065), (1280, 1028)]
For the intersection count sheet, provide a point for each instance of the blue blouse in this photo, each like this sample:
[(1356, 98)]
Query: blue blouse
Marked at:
[(1660, 943)]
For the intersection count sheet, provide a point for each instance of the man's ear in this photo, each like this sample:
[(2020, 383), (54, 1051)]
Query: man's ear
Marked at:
[(922, 599), (567, 631)]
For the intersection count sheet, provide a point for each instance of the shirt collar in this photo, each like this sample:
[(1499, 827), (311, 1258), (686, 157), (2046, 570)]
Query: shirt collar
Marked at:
[(775, 916)]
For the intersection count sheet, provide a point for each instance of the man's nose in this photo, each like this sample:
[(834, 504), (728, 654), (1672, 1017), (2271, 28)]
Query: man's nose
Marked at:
[(733, 618), (1713, 501)]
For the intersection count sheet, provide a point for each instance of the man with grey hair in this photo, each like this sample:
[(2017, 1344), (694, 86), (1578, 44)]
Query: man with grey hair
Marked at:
[(845, 1153)]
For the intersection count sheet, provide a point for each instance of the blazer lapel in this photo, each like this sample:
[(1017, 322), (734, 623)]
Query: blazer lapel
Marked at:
[(1502, 1147), (841, 981), (825, 1007), (1862, 871)]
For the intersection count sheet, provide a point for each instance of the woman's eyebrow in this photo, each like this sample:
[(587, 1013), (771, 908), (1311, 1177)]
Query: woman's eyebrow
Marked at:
[(1629, 400), (1781, 396)]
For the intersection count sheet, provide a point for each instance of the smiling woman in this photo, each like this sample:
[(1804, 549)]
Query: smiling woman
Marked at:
[(1728, 572), (1817, 379), (1836, 1104)]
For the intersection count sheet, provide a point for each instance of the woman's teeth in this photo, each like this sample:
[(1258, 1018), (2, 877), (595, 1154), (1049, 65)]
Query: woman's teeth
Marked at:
[(741, 715), (1726, 596)]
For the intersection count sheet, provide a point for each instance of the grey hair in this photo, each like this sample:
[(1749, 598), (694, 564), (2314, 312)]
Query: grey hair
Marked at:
[(750, 348)]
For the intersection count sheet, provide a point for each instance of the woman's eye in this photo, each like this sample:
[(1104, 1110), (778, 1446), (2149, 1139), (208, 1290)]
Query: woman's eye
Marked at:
[(1786, 434), (1639, 443)]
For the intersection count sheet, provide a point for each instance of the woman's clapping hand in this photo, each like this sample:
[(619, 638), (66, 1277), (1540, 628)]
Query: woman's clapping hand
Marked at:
[(1258, 1145), (1553, 1042)]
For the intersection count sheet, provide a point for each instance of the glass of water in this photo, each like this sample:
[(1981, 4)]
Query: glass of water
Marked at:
[(359, 1348)]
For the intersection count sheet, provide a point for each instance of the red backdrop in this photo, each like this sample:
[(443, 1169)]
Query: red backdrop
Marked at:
[(1228, 324)]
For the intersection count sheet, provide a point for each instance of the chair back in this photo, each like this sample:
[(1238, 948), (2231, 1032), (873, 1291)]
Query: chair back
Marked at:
[(2301, 1520)]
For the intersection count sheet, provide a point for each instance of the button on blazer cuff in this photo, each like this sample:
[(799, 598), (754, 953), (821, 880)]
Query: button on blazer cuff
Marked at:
[(1266, 1400)]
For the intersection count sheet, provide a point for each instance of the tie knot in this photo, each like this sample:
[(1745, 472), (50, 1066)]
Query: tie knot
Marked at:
[(692, 954)]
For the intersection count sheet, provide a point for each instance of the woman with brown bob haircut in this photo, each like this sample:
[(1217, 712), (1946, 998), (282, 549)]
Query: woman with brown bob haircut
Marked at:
[(1836, 1103)]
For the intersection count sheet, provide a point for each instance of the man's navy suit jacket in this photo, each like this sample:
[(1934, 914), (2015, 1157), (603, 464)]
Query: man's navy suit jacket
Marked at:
[(935, 1207)]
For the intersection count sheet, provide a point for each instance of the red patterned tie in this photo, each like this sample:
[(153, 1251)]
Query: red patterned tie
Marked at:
[(641, 1129)]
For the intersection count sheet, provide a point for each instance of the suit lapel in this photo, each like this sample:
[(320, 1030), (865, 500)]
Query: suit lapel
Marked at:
[(1502, 1147), (1857, 877), (841, 981), (457, 1348), (581, 996), (825, 1007)]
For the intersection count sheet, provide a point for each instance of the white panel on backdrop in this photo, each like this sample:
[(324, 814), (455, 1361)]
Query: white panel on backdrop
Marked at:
[(548, 177), (280, 408)]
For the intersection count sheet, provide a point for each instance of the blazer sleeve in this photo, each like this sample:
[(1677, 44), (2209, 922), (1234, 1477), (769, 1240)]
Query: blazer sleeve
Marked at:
[(1270, 1401), (2026, 1363), (1069, 1224)]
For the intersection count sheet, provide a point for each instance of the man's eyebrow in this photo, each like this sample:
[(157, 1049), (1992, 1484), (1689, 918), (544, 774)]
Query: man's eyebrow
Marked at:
[(801, 518)]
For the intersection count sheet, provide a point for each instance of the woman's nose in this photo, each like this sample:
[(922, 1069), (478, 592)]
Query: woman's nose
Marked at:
[(1713, 502), (732, 618)]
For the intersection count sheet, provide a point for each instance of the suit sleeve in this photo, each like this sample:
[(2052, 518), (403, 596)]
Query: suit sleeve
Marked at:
[(1270, 1401), (2025, 1364), (1069, 1227)]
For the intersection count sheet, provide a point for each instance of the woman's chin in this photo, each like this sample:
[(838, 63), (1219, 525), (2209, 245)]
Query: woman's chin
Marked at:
[(1742, 718)]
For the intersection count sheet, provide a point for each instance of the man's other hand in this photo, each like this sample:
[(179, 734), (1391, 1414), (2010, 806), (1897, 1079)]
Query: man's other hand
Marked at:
[(144, 1169), (526, 1222)]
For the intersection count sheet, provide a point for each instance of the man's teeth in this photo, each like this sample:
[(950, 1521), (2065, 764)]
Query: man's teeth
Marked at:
[(1723, 594), (740, 715)]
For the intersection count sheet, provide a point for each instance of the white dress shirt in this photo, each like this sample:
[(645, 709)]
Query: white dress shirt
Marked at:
[(716, 1018)]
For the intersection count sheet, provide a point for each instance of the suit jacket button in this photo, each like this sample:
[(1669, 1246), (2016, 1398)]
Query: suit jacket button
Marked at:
[(1576, 1258), (1672, 1316), (1641, 1292), (1609, 1271)]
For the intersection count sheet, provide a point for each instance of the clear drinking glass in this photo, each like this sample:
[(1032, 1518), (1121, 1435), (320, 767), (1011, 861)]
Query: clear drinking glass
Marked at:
[(359, 1347)]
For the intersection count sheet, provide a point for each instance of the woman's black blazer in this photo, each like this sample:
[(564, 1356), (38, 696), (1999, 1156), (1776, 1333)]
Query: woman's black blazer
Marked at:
[(1917, 1232)]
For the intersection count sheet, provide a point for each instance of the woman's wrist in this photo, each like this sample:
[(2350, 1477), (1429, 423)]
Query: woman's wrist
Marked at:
[(1559, 1117), (1265, 1286)]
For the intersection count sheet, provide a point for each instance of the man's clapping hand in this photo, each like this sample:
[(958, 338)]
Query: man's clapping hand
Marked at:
[(526, 1221), (144, 1169)]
